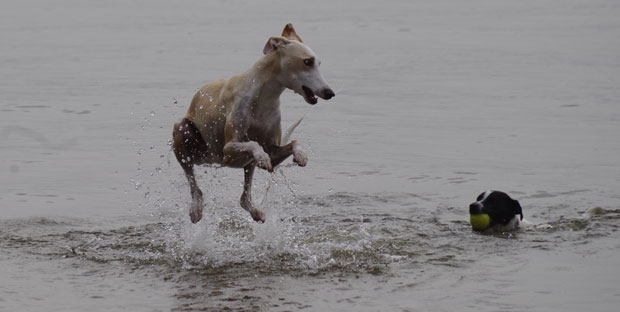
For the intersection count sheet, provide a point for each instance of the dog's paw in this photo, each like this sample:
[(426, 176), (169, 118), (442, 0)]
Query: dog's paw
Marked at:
[(257, 215), (195, 212), (300, 157), (263, 161)]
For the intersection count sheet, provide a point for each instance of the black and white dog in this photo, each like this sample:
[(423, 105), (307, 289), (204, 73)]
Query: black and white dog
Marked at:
[(495, 210)]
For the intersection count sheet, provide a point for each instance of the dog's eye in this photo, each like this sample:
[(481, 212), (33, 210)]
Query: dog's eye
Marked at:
[(309, 62)]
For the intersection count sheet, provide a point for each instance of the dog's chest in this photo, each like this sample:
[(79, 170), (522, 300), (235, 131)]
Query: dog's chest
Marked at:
[(264, 123), (265, 113)]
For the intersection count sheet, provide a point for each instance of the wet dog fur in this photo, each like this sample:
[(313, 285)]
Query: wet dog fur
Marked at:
[(503, 211), (235, 122)]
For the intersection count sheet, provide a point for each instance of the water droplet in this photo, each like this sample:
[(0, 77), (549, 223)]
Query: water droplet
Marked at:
[(174, 101), (152, 113)]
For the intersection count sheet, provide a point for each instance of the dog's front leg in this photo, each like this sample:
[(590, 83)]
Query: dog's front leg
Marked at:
[(279, 153), (246, 197), (299, 156), (242, 154), (239, 151)]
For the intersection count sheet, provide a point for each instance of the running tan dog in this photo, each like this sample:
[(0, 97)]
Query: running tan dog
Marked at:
[(236, 122)]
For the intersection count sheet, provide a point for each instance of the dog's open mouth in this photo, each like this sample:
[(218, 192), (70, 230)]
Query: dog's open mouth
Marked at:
[(309, 95)]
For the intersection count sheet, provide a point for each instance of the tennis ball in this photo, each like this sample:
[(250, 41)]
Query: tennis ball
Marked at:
[(479, 222)]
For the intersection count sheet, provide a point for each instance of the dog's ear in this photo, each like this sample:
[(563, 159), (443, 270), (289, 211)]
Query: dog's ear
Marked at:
[(274, 43), (289, 33), (518, 209)]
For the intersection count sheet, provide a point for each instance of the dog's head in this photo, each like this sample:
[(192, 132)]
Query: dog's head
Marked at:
[(498, 206), (299, 66)]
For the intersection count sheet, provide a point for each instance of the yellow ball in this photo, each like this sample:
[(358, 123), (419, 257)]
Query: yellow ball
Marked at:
[(479, 222)]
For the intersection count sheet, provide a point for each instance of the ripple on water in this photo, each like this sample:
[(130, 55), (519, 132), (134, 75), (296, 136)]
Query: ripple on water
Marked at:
[(301, 245), (226, 248)]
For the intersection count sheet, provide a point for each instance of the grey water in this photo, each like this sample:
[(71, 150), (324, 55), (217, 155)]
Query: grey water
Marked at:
[(436, 102)]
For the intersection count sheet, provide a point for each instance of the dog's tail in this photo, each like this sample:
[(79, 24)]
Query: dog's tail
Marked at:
[(287, 134)]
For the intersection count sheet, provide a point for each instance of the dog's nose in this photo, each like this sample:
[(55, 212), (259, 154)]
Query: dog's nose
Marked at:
[(475, 208), (328, 93)]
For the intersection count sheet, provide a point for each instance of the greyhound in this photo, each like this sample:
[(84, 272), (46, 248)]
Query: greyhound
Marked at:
[(235, 122)]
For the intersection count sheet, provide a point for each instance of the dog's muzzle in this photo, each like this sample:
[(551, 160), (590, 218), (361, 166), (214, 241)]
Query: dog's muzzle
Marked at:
[(311, 98), (475, 208), (328, 94)]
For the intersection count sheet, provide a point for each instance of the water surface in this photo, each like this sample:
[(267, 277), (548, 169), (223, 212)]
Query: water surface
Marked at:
[(437, 102)]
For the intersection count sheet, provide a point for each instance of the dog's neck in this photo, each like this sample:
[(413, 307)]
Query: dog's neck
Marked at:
[(264, 77)]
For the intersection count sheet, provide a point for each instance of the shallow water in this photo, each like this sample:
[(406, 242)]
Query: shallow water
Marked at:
[(438, 101)]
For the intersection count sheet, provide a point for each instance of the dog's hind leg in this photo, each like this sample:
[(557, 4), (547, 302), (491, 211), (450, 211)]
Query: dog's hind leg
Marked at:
[(190, 148), (246, 197)]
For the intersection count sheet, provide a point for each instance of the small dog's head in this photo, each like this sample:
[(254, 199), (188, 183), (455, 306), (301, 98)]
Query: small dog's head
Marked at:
[(494, 208), (299, 66)]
